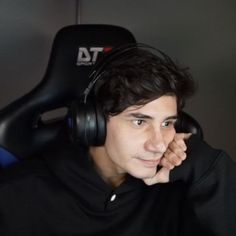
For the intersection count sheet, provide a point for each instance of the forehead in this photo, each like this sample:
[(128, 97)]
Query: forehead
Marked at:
[(165, 105)]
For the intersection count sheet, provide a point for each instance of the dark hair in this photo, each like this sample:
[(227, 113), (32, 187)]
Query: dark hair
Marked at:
[(139, 77)]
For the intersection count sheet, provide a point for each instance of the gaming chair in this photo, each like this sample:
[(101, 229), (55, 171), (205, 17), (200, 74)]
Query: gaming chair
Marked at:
[(74, 52)]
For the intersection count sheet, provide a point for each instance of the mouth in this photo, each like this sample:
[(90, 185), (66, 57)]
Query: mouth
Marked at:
[(150, 163)]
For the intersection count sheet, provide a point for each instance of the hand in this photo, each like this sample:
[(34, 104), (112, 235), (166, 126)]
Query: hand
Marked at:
[(175, 153), (174, 156)]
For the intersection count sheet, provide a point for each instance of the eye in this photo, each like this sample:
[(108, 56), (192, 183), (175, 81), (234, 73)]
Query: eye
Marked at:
[(168, 123), (138, 122)]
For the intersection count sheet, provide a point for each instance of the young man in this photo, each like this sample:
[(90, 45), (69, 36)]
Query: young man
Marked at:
[(114, 188)]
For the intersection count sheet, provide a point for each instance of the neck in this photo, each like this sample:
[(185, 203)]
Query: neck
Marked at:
[(105, 167)]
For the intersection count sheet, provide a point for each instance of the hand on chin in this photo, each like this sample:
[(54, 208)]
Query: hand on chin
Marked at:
[(161, 176)]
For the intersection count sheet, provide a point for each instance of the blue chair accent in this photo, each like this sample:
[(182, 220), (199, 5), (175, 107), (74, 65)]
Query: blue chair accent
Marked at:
[(6, 158)]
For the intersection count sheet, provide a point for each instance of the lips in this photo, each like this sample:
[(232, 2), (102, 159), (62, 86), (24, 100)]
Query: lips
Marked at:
[(150, 163)]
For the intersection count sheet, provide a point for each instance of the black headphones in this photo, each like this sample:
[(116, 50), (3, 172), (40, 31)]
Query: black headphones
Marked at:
[(86, 120)]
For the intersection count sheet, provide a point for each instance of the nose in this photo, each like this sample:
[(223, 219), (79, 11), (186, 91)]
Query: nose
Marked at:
[(156, 143)]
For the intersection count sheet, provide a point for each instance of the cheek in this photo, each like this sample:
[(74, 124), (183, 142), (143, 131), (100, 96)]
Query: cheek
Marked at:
[(115, 141), (118, 141), (119, 135), (121, 144)]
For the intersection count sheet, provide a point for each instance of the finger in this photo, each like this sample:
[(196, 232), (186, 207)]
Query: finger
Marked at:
[(173, 156), (162, 176), (179, 146), (167, 164), (178, 143), (171, 162), (180, 138), (184, 136)]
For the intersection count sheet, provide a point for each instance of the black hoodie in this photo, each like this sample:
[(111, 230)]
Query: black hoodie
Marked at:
[(60, 193)]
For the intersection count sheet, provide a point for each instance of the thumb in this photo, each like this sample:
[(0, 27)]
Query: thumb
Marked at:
[(162, 176)]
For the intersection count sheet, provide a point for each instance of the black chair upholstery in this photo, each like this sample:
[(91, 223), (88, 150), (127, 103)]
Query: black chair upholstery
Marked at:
[(74, 52), (188, 124)]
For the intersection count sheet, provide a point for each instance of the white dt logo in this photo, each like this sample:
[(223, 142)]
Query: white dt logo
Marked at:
[(88, 56)]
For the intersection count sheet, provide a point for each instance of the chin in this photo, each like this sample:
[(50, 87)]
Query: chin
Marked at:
[(143, 174)]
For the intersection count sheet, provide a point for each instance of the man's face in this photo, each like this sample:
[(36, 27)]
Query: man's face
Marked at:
[(138, 137)]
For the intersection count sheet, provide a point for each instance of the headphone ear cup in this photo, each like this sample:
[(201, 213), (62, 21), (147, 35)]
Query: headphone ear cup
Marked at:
[(87, 124), (101, 127)]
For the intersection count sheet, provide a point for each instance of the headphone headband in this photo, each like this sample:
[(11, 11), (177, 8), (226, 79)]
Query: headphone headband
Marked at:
[(123, 50), (88, 122)]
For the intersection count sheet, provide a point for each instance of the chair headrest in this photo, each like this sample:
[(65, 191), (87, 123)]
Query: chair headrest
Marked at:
[(75, 50)]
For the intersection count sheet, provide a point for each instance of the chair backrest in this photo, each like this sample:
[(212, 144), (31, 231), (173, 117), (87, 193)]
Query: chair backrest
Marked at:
[(75, 50)]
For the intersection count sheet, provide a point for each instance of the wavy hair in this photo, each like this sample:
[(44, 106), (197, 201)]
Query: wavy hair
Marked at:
[(138, 77)]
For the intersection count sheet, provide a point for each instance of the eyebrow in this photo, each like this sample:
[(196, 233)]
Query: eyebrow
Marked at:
[(143, 116)]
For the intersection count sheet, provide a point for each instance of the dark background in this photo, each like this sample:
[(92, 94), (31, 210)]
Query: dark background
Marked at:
[(199, 34)]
